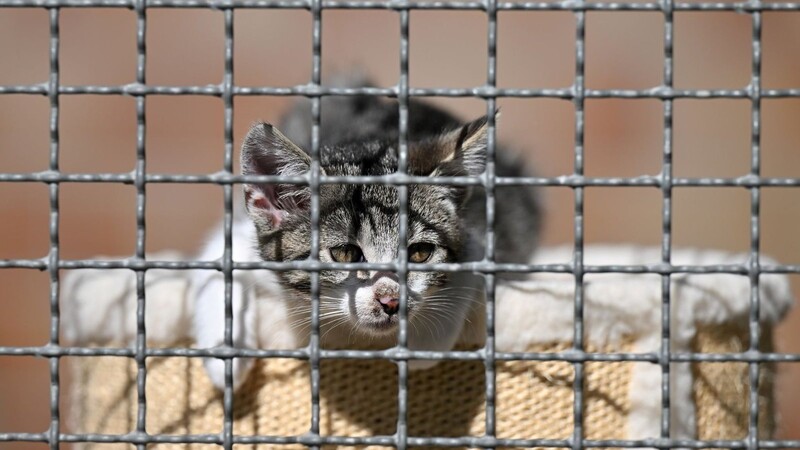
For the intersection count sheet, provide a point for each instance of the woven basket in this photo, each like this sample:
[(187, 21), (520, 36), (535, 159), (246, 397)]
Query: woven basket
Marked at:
[(358, 397), (534, 400)]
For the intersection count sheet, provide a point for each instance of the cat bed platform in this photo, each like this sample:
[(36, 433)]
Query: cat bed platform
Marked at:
[(534, 399)]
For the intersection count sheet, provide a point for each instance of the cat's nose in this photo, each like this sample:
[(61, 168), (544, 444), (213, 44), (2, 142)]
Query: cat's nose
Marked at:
[(389, 304)]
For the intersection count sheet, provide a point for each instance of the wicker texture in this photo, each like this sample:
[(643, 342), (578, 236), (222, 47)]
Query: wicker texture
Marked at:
[(722, 390), (358, 398)]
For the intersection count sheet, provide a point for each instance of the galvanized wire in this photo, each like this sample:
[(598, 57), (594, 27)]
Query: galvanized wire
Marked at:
[(53, 256), (564, 93), (389, 441), (755, 230), (577, 93), (227, 256), (578, 232), (314, 174), (489, 178), (401, 5), (666, 225), (479, 266), (141, 226), (401, 431)]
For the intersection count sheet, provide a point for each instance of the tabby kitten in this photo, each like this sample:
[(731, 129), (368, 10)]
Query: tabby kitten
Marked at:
[(359, 223)]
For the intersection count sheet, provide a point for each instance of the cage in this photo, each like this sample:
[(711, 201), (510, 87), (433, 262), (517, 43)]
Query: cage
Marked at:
[(578, 370)]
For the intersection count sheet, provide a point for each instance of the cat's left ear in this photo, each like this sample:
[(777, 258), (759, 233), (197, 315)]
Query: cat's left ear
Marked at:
[(460, 152)]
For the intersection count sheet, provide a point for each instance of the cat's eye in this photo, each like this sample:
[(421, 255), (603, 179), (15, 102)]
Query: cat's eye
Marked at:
[(347, 253), (420, 252)]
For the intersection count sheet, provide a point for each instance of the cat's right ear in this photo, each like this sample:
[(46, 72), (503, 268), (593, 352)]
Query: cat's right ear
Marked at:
[(266, 151)]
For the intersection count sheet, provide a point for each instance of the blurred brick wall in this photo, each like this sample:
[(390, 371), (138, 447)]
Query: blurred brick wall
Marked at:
[(185, 135)]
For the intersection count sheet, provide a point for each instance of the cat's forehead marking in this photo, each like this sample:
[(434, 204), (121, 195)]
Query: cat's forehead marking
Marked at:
[(371, 216), (378, 236)]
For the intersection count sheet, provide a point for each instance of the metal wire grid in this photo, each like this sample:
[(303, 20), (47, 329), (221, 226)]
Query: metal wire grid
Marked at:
[(400, 354)]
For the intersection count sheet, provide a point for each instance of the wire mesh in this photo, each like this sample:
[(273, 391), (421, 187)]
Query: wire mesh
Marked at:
[(315, 90)]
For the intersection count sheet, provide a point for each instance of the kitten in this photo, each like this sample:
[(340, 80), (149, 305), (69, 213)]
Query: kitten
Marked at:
[(446, 224)]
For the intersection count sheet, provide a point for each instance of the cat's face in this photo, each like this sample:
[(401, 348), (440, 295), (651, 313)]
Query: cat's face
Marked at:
[(360, 223)]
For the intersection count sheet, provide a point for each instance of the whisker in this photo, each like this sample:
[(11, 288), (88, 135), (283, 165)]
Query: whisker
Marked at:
[(459, 288), (439, 299), (334, 325), (434, 315)]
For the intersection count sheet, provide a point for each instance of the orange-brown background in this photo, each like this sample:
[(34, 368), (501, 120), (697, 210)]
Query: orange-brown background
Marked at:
[(536, 50)]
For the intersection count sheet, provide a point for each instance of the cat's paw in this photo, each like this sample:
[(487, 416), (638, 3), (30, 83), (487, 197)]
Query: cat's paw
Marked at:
[(422, 364), (215, 368)]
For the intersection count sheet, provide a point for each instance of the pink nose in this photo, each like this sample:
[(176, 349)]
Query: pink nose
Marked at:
[(389, 304)]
